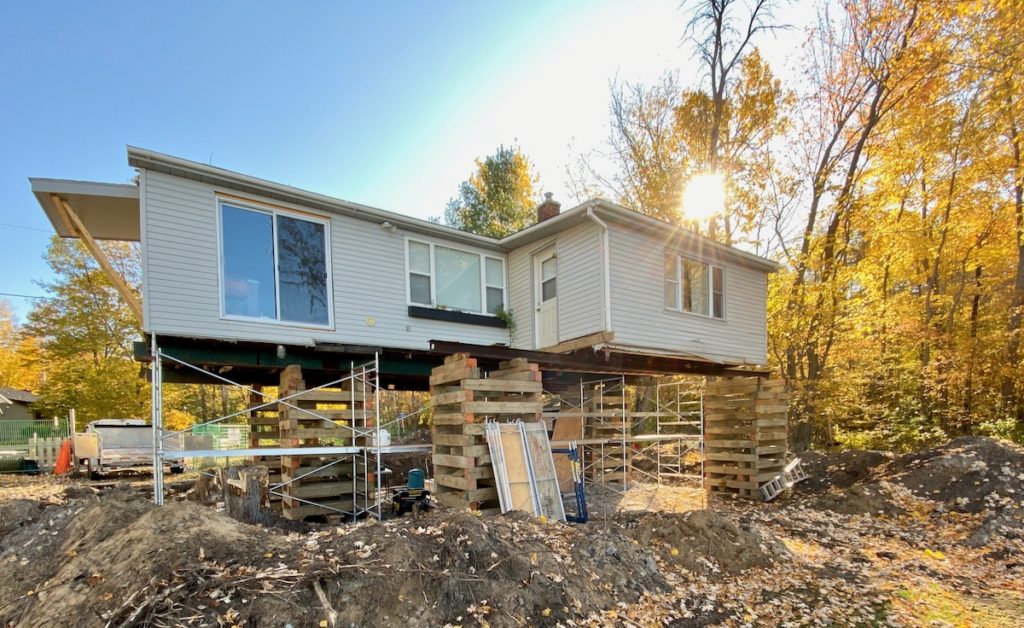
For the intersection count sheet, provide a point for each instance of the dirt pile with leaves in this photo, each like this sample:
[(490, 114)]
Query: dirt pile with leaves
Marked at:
[(906, 541), (112, 558)]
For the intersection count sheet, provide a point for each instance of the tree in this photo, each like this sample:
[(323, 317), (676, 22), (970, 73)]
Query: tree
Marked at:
[(86, 333), (498, 199), (19, 353), (644, 162), (723, 32), (661, 135)]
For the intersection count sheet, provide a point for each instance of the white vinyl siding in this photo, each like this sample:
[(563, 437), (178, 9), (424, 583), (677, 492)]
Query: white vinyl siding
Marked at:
[(641, 319), (580, 284), (368, 277)]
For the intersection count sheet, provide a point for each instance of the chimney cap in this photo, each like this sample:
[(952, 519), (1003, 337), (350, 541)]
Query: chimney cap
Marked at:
[(548, 195)]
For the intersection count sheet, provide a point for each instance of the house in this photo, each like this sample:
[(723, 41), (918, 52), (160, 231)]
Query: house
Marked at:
[(16, 405), (253, 283), (258, 267)]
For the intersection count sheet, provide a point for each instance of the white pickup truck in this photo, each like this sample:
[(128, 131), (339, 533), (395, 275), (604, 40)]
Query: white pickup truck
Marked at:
[(119, 444)]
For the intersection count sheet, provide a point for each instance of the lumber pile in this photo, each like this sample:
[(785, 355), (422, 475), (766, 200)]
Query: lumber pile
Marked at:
[(745, 435), (608, 419), (310, 488), (463, 398), (265, 431)]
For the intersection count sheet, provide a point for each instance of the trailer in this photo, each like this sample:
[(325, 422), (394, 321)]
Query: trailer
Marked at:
[(109, 445)]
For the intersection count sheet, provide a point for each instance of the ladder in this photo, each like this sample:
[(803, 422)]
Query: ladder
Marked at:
[(791, 474)]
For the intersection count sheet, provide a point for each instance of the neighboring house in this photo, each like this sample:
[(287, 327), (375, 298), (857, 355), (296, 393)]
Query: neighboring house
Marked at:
[(17, 405), (245, 262)]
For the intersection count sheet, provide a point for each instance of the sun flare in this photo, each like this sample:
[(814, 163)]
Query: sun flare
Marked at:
[(704, 196)]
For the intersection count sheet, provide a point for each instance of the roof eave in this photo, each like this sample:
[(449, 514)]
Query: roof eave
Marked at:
[(221, 177)]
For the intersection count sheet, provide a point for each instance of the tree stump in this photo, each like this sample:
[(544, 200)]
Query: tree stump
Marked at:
[(247, 493)]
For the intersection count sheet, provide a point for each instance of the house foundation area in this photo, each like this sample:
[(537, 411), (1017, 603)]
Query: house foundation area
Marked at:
[(338, 434)]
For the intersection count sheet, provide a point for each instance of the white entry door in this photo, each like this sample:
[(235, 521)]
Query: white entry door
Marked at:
[(545, 280)]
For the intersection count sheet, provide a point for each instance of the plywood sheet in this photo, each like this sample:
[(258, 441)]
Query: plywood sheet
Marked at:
[(568, 427)]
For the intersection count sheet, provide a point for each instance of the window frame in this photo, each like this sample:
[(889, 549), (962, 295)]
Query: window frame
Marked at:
[(273, 211), (679, 258), (433, 276)]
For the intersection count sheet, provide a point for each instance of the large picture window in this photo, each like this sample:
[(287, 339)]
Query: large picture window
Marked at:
[(274, 266), (695, 287), (452, 279)]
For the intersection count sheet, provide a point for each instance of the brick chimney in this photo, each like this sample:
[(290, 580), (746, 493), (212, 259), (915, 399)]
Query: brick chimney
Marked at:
[(548, 209)]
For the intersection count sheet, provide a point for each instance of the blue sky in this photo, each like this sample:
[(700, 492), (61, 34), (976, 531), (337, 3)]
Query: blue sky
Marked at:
[(385, 104)]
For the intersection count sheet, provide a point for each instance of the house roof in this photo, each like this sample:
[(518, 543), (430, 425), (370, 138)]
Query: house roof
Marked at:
[(111, 211), (14, 395)]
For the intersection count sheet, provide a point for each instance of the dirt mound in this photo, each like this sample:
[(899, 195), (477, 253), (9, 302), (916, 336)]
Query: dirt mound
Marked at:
[(704, 542), (1007, 524), (453, 567), (860, 499), (840, 469), (86, 564), (18, 513), (115, 558), (969, 474)]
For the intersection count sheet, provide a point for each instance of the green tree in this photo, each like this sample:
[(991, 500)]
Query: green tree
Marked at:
[(86, 332), (498, 198)]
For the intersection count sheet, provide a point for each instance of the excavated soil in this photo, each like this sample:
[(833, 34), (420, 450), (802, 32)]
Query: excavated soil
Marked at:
[(840, 470), (868, 540), (115, 558), (703, 542), (969, 474)]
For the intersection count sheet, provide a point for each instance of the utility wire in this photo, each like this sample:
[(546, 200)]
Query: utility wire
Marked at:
[(8, 224), (23, 296)]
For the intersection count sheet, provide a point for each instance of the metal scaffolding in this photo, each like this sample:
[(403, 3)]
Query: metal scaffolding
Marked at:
[(621, 445), (363, 431)]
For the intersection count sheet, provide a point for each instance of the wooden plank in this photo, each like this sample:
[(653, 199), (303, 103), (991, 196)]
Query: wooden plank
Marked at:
[(451, 418), (319, 489), (453, 373), (502, 407), (454, 481), (503, 385), (582, 342), (460, 462), (456, 358), (523, 376), (447, 398), (452, 440)]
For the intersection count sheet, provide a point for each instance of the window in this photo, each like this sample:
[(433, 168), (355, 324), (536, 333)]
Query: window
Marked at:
[(274, 266), (548, 279), (448, 278), (692, 286)]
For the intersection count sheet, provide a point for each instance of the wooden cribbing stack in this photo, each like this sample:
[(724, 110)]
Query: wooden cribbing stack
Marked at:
[(332, 488), (606, 420), (463, 399), (745, 436), (265, 431)]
